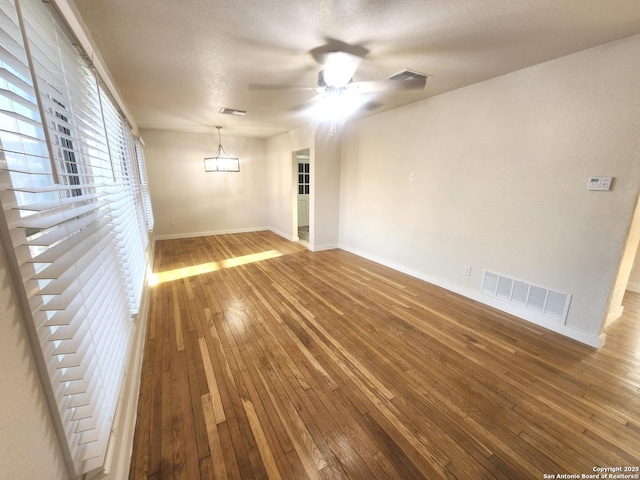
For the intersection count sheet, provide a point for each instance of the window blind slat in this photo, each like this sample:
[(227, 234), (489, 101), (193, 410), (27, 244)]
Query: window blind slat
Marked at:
[(93, 296), (83, 400), (13, 56), (75, 388), (58, 286), (64, 317), (91, 436), (60, 302), (15, 100), (79, 257), (84, 425), (48, 220), (90, 282), (74, 359), (70, 346), (54, 236), (66, 332), (42, 206), (92, 450), (14, 72), (77, 372), (56, 252), (85, 411), (50, 188)]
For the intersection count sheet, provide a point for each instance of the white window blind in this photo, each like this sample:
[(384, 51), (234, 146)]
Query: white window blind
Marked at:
[(73, 223), (126, 200)]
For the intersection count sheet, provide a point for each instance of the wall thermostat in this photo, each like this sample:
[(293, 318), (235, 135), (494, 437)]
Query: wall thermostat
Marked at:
[(599, 183)]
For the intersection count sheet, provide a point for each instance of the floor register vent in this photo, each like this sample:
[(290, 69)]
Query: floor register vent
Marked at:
[(549, 303)]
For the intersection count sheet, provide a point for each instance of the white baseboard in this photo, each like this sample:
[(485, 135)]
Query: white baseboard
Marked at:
[(319, 248), (633, 287), (584, 337), (209, 233), (282, 234), (614, 315)]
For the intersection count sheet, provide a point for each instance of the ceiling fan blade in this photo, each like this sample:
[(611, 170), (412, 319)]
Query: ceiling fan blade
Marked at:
[(281, 88), (306, 105), (388, 85), (370, 106)]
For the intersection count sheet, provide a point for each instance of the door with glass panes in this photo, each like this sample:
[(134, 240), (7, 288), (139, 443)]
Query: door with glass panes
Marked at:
[(303, 192)]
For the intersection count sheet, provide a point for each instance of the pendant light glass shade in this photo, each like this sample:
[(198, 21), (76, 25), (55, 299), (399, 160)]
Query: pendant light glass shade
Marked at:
[(221, 161)]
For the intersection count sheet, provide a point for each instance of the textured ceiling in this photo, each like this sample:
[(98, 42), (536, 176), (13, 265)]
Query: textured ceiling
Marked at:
[(177, 64)]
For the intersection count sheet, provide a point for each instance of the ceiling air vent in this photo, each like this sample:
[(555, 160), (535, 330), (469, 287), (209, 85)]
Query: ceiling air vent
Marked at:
[(233, 111), (408, 75)]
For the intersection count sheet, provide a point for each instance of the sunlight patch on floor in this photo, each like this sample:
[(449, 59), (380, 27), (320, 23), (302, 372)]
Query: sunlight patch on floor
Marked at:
[(178, 273)]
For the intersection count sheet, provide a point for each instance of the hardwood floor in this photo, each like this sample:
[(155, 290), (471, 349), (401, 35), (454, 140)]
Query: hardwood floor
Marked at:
[(265, 360)]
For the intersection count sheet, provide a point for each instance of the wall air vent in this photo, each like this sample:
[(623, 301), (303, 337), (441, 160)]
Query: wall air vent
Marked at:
[(545, 301), (233, 111)]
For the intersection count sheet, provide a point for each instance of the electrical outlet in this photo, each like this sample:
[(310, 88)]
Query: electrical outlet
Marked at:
[(412, 177), (467, 271)]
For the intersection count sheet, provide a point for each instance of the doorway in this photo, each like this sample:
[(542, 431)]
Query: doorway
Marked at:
[(302, 172)]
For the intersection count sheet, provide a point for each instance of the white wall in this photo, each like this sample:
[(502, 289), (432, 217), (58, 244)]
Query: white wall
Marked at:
[(189, 201), (281, 181), (500, 180), (324, 159), (28, 445), (325, 189)]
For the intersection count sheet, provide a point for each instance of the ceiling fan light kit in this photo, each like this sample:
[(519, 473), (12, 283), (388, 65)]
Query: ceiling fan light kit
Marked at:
[(221, 161), (337, 104), (339, 69)]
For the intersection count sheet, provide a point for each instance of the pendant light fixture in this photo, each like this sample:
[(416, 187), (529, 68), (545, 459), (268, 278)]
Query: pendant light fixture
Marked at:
[(221, 161)]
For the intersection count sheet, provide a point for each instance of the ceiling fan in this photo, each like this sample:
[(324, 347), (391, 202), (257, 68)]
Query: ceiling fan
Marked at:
[(335, 79), (340, 67)]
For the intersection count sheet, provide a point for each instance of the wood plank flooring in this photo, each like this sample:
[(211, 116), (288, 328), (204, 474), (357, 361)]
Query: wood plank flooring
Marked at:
[(264, 360)]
